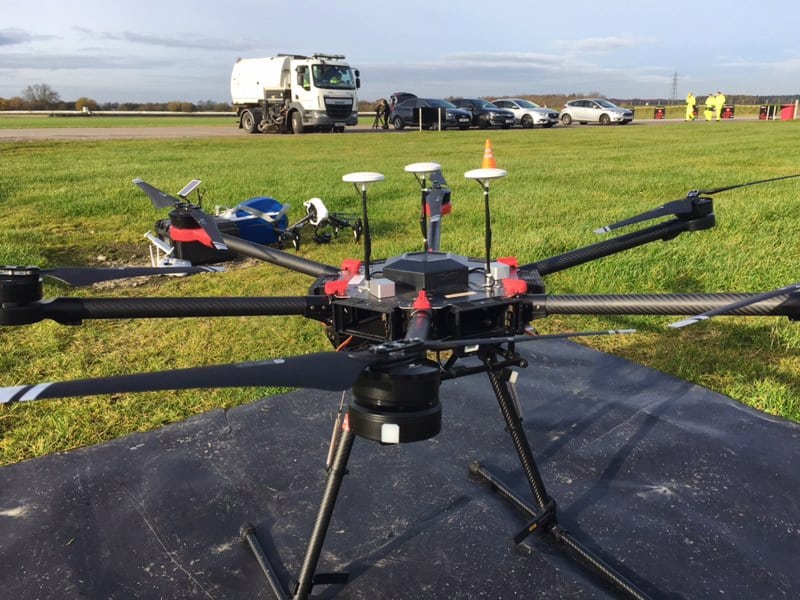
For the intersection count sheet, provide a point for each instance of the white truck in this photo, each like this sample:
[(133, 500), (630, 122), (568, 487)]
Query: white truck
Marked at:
[(291, 93)]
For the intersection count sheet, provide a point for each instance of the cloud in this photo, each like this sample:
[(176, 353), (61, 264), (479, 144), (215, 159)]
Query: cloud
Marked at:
[(602, 45), (51, 62), (193, 41), (787, 64), (13, 37)]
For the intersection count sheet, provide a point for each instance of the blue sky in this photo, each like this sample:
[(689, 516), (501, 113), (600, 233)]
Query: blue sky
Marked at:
[(165, 50)]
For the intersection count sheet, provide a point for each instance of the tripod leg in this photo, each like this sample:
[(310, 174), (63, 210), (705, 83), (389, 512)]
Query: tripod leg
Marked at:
[(305, 580), (544, 513)]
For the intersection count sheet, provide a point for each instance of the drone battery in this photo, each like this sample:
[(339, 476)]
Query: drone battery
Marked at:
[(197, 253)]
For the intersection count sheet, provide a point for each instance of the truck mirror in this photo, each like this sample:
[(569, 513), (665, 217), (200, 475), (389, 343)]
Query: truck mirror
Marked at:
[(358, 82)]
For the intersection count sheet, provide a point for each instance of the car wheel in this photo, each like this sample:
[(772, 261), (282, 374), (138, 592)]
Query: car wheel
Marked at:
[(526, 122), (249, 123), (297, 122), (566, 119), (605, 120), (483, 123), (398, 123)]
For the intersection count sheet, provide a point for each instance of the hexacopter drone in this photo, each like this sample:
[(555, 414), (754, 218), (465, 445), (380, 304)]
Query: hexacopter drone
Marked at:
[(401, 327)]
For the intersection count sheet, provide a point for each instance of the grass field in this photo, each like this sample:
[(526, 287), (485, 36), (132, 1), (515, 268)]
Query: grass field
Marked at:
[(48, 122), (73, 203)]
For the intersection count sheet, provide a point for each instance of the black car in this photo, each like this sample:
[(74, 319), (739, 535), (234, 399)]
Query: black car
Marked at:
[(398, 97), (404, 114), (485, 114)]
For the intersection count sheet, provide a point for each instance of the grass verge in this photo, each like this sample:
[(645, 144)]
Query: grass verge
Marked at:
[(73, 203)]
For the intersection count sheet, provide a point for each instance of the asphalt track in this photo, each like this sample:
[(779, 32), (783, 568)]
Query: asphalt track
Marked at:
[(201, 131)]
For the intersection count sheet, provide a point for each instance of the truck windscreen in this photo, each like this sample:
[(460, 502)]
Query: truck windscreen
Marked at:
[(333, 77)]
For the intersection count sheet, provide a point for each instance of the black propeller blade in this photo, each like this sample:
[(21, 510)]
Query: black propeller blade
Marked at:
[(163, 200), (514, 339), (209, 226), (78, 276), (683, 206), (734, 305), (332, 371), (157, 197)]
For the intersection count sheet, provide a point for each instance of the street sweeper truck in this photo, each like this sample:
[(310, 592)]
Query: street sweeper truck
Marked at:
[(291, 93)]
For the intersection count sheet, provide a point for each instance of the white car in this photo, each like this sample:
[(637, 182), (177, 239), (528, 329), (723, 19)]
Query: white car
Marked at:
[(527, 113), (594, 110)]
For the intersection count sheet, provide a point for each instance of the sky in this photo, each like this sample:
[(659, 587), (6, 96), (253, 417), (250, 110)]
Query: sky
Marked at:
[(159, 51)]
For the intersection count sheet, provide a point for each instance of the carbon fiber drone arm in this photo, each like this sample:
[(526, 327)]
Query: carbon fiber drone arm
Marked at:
[(279, 258), (72, 311), (787, 305), (662, 231)]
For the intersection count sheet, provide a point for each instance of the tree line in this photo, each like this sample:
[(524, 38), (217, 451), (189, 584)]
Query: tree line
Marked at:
[(41, 96)]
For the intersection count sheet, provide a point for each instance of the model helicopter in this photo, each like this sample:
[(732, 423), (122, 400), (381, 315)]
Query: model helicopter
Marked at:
[(191, 237), (403, 326)]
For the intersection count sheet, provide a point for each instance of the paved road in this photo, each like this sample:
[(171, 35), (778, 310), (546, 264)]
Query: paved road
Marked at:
[(127, 133)]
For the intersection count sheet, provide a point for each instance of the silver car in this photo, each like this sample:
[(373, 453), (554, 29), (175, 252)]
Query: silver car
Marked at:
[(594, 110), (527, 113)]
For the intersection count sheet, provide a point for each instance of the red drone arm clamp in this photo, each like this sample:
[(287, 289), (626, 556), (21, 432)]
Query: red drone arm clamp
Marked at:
[(195, 234)]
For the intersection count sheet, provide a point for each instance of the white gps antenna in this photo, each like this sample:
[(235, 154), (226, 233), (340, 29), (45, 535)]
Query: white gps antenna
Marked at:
[(483, 176), (360, 181)]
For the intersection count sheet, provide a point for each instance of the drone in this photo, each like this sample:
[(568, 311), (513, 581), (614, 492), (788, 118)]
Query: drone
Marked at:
[(191, 237), (402, 327)]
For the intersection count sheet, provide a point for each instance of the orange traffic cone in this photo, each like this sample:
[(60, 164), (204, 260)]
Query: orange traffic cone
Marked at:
[(488, 156)]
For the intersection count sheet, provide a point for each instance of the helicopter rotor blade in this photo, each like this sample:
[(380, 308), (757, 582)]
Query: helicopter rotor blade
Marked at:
[(735, 305), (157, 197), (333, 371), (80, 276)]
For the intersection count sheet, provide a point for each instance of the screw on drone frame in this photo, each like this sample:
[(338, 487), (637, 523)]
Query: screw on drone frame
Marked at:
[(483, 176), (363, 178)]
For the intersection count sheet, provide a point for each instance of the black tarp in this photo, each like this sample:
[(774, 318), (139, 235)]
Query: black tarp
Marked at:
[(688, 493)]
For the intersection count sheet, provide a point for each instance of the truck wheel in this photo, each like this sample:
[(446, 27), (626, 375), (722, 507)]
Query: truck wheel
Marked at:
[(398, 123), (249, 123), (297, 122)]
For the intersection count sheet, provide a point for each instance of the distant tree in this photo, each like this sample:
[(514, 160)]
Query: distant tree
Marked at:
[(40, 96), (82, 102), (180, 106), (15, 103)]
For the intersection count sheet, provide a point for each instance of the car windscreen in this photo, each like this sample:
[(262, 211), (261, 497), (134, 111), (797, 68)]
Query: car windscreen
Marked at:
[(606, 104), (527, 104)]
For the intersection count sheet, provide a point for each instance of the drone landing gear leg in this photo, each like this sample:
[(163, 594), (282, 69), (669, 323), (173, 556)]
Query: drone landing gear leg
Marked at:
[(543, 515), (307, 578)]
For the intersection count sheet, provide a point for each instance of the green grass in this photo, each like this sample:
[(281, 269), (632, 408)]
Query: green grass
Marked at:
[(46, 121), (73, 203)]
